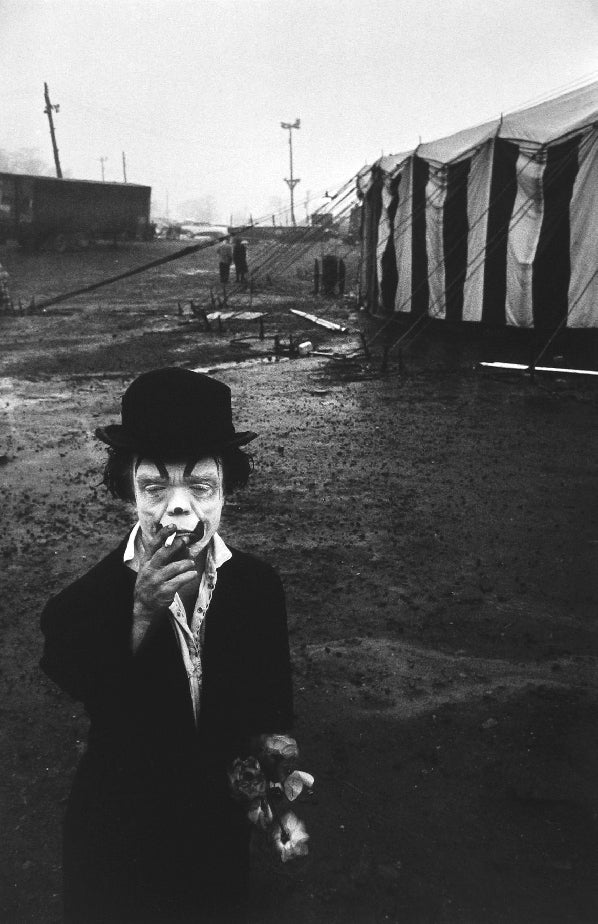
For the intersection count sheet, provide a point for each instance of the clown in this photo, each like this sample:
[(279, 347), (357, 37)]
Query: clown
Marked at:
[(177, 645)]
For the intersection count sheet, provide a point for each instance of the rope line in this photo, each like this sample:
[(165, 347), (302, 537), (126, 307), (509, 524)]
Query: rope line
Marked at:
[(465, 235), (307, 239), (517, 215), (424, 320), (432, 315), (194, 248), (292, 256), (179, 254)]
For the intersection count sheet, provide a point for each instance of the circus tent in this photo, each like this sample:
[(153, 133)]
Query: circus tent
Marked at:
[(495, 224)]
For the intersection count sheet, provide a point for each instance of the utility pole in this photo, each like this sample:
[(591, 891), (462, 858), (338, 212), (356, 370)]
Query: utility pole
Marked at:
[(102, 162), (124, 167), (292, 182), (48, 110)]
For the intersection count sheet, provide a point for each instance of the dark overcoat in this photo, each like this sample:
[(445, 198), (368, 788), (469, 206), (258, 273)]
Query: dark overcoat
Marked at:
[(151, 833)]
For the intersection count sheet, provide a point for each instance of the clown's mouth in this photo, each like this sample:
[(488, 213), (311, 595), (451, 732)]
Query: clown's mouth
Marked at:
[(189, 537)]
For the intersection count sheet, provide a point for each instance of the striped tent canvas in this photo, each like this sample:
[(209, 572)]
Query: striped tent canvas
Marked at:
[(496, 224)]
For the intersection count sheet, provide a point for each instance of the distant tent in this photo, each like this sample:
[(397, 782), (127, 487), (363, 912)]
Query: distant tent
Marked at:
[(496, 224)]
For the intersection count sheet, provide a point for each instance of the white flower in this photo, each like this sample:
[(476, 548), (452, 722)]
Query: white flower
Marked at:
[(296, 782), (293, 841), (278, 747)]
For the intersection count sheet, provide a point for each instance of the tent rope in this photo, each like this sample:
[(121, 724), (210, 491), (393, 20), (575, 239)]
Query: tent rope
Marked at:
[(517, 215)]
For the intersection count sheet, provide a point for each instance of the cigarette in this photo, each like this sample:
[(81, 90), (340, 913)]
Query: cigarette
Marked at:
[(169, 540)]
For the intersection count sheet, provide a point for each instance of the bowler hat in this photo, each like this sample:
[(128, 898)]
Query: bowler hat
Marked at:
[(174, 413)]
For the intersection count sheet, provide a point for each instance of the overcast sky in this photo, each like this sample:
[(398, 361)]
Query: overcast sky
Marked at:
[(194, 90)]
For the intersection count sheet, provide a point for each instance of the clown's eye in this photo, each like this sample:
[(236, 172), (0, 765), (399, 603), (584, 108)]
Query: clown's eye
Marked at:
[(153, 489), (203, 489)]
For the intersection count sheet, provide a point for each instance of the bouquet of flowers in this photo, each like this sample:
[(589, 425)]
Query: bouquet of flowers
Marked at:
[(264, 783)]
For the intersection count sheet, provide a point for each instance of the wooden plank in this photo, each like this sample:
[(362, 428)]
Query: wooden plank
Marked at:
[(322, 322)]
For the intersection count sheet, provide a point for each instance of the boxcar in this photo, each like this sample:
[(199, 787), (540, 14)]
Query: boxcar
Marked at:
[(42, 210)]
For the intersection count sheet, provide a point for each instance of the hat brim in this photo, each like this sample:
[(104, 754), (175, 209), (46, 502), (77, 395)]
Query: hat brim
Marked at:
[(117, 437)]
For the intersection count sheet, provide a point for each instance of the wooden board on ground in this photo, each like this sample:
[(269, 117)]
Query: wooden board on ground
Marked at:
[(236, 315), (322, 322)]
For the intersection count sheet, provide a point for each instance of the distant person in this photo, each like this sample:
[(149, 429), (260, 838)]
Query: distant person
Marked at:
[(240, 259), (225, 258)]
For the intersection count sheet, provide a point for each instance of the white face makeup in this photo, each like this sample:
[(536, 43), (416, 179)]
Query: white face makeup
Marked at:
[(172, 493)]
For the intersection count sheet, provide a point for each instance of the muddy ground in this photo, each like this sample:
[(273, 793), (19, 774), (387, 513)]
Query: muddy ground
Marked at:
[(436, 528)]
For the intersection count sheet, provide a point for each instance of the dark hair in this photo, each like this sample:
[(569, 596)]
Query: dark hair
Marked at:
[(237, 466)]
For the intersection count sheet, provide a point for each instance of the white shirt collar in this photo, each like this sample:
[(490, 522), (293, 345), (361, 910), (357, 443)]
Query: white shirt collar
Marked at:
[(130, 551), (220, 551)]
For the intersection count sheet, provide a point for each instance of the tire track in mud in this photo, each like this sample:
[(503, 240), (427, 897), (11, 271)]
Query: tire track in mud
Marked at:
[(404, 681)]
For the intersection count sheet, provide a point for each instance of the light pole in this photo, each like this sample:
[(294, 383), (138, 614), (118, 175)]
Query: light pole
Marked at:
[(103, 161), (292, 182)]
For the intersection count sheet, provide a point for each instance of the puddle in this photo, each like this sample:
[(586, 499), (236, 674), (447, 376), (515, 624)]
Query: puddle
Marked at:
[(15, 393)]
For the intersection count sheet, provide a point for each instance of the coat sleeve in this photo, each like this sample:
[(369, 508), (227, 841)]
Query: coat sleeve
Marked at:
[(269, 694), (65, 657), (85, 630)]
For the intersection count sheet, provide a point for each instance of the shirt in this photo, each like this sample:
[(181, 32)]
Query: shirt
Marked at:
[(189, 637)]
